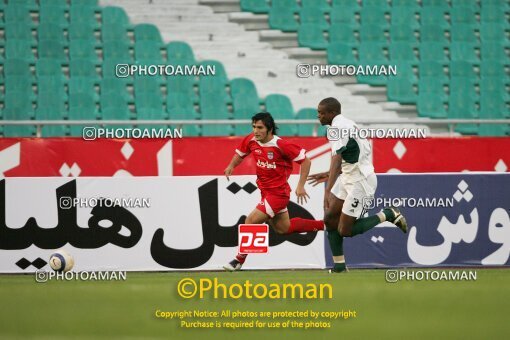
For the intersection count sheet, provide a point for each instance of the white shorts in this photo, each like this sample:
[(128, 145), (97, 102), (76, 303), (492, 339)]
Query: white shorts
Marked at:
[(357, 196)]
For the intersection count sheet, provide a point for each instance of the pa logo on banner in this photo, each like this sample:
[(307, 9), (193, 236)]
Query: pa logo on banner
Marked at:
[(253, 238)]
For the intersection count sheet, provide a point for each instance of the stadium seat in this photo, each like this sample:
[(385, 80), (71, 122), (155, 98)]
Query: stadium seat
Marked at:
[(431, 106), (406, 69), (493, 14), (114, 16), (372, 34), (52, 86), (351, 5), (111, 86), (493, 68), (255, 6), (52, 49), (184, 113), (462, 69), (83, 49), (434, 16), (467, 3), (494, 87), (114, 33), (403, 33), (17, 107), (149, 100), (87, 3), (83, 14), (463, 107), (405, 3), (81, 31), (19, 31), (18, 85), (289, 4), (182, 85), (50, 31), (53, 14), (145, 84), (180, 53), (245, 102), (433, 33), (58, 3), (493, 32), (147, 32), (343, 34), (147, 49), (432, 51), (401, 90), (433, 69), (312, 36), (443, 4), (492, 109), (49, 67), (313, 16), (116, 50), (17, 67), (19, 49), (114, 107), (373, 16), (402, 51), (81, 113), (494, 51), (308, 129), (82, 85), (430, 86), (83, 68), (18, 14), (281, 108), (282, 18), (344, 17), (404, 15), (463, 32), (372, 54), (214, 107), (51, 113), (460, 87), (463, 15), (323, 5), (220, 73), (341, 54), (464, 51)]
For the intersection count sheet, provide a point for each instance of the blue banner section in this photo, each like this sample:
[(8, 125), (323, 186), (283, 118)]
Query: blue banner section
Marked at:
[(453, 220)]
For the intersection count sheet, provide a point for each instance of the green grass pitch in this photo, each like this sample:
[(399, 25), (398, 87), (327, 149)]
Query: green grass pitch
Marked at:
[(126, 309)]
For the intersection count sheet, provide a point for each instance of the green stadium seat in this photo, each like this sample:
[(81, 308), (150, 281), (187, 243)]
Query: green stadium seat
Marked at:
[(281, 108), (313, 16), (175, 100), (82, 31), (463, 107), (83, 68), (180, 53), (48, 67), (402, 51), (443, 4), (245, 102), (108, 68), (493, 14), (185, 113), (17, 14), (347, 4), (288, 4), (434, 16), (87, 3), (49, 31), (210, 86), (214, 107), (19, 49), (493, 32), (52, 85), (17, 67), (19, 84), (111, 86), (282, 18), (53, 14), (463, 15), (406, 69), (114, 16), (114, 33), (114, 107), (341, 54), (53, 101), (372, 54), (372, 34), (52, 113), (404, 15), (83, 49), (496, 86), (433, 33), (460, 87), (58, 3), (464, 51), (147, 49), (430, 86), (243, 87), (52, 49), (343, 34), (433, 69), (312, 36), (149, 107), (344, 17), (431, 106), (494, 51), (18, 105), (405, 3), (323, 5), (501, 3), (463, 32), (401, 90), (19, 31), (83, 14), (403, 33), (492, 109), (146, 84), (147, 32), (493, 68), (220, 74), (82, 100), (373, 16), (308, 129), (149, 100), (432, 51), (380, 4), (466, 3), (81, 113), (255, 6), (82, 85), (462, 69), (147, 63), (116, 50), (182, 85)]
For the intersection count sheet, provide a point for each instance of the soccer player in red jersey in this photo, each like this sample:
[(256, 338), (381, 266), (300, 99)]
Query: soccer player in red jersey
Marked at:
[(274, 158)]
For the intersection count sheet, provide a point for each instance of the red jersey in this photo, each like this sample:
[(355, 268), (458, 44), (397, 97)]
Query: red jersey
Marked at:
[(273, 160)]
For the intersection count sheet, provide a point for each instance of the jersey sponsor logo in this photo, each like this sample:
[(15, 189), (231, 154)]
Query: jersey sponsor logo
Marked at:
[(270, 155), (253, 238), (266, 164)]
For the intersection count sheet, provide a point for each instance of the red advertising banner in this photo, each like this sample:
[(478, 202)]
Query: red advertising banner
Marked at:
[(27, 157)]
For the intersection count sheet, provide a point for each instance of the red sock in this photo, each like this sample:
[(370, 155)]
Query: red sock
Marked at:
[(241, 258), (300, 225)]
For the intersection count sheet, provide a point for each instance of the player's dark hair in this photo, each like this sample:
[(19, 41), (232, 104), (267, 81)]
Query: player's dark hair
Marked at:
[(331, 105), (267, 120)]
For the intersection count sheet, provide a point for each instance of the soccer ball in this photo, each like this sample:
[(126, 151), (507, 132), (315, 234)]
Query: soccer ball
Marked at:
[(61, 261)]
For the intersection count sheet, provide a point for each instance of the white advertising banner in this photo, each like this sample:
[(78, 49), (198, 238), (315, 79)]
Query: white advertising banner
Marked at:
[(162, 223)]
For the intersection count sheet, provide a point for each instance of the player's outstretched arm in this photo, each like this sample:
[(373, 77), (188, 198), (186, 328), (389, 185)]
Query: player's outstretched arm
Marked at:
[(318, 178), (303, 174), (334, 171), (236, 160)]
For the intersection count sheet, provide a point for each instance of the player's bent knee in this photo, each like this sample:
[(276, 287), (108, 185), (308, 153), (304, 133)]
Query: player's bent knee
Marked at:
[(331, 221)]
